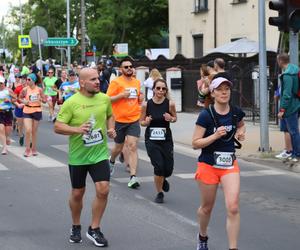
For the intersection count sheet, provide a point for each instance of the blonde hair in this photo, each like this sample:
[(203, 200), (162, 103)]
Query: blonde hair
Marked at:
[(154, 74)]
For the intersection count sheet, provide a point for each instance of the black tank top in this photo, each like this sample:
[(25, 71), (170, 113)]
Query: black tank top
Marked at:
[(158, 121)]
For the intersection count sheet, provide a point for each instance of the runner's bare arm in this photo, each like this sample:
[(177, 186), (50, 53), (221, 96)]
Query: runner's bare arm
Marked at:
[(241, 131), (122, 95), (200, 142), (144, 120), (111, 132), (65, 129), (171, 116)]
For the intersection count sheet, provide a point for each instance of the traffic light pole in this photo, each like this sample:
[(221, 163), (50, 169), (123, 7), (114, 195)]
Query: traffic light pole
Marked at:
[(263, 94), (294, 45)]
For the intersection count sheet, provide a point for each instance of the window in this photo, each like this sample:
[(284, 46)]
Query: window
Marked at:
[(238, 1), (200, 5), (198, 45), (179, 45)]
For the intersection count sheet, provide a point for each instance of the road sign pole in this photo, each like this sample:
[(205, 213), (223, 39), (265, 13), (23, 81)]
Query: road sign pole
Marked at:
[(294, 45), (21, 29), (263, 97), (68, 34)]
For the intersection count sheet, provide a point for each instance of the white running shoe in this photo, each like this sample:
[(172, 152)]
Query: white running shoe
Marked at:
[(283, 155)]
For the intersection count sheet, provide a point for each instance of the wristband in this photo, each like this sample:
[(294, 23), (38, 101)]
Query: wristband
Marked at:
[(282, 110)]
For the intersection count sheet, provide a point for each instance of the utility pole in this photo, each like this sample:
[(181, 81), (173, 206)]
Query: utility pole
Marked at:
[(21, 28), (68, 34), (3, 38), (82, 9), (294, 45), (263, 95)]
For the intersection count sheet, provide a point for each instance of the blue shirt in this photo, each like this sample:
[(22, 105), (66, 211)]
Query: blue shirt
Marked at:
[(223, 144)]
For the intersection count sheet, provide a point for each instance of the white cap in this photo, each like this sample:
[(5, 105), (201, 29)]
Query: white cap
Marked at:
[(2, 79), (217, 82)]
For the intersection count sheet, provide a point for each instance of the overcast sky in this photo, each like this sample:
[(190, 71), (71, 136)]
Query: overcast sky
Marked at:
[(5, 5)]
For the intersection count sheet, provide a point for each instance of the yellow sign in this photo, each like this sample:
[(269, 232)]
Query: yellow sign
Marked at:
[(24, 42)]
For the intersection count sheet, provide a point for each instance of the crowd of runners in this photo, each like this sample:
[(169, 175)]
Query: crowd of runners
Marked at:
[(97, 104)]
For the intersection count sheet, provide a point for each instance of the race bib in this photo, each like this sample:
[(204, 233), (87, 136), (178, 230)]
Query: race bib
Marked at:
[(158, 134), (224, 160), (95, 137), (133, 93), (34, 97)]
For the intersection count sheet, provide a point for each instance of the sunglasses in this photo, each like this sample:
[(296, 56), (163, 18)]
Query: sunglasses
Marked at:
[(28, 79), (50, 72), (128, 67), (161, 88)]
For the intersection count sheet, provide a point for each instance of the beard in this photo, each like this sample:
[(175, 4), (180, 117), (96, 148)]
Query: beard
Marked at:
[(128, 74), (93, 91)]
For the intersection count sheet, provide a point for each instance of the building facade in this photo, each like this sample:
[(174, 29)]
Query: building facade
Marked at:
[(198, 26)]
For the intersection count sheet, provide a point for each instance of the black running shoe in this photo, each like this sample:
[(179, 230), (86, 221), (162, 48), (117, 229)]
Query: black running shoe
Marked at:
[(166, 186), (159, 198), (75, 236), (97, 237), (202, 243), (121, 157), (21, 140)]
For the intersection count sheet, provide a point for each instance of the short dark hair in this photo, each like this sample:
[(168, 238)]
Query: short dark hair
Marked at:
[(220, 62), (283, 57), (210, 64), (126, 59)]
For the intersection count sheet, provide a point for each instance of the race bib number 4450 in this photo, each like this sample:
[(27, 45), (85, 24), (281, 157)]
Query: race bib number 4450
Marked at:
[(224, 160), (93, 138)]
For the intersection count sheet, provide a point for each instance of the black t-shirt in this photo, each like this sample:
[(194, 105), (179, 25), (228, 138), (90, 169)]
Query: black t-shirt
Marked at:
[(222, 145)]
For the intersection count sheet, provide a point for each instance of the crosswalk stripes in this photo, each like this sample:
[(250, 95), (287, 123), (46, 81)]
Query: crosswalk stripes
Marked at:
[(2, 167), (44, 161)]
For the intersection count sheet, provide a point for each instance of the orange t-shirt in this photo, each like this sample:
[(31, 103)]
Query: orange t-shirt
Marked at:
[(125, 110), (33, 96)]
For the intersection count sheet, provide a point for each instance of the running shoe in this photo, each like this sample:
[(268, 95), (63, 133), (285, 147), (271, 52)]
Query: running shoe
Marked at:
[(97, 237), (283, 155), (34, 152), (133, 183), (27, 153), (293, 159), (21, 140), (121, 157), (75, 234), (202, 243), (111, 167), (166, 186), (4, 152), (159, 198)]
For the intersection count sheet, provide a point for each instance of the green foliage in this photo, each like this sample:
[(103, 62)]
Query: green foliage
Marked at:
[(140, 23)]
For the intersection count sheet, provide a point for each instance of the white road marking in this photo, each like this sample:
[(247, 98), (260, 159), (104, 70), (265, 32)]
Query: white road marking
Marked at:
[(260, 173), (39, 161), (2, 167), (140, 179), (185, 176)]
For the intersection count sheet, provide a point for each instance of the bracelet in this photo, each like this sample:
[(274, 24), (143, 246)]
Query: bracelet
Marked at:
[(282, 110)]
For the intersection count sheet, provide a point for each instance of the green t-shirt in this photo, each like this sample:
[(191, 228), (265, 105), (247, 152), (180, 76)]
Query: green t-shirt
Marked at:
[(49, 83), (78, 109)]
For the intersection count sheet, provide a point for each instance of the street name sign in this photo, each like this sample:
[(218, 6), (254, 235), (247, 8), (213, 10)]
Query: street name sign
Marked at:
[(60, 41), (24, 42)]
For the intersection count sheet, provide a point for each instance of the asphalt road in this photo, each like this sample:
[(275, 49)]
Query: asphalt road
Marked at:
[(34, 211)]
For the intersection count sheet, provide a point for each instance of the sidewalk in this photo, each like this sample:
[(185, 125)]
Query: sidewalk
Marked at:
[(183, 132)]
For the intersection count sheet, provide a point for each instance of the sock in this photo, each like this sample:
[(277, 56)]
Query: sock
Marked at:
[(203, 238), (131, 176), (111, 161)]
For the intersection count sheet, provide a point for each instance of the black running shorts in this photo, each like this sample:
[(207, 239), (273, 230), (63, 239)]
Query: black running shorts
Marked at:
[(99, 172)]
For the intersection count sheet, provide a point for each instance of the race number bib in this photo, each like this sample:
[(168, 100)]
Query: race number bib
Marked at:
[(224, 160), (133, 93), (95, 137), (34, 98), (158, 134)]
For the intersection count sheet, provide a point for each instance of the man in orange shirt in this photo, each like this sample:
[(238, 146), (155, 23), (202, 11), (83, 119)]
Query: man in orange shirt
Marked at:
[(125, 94)]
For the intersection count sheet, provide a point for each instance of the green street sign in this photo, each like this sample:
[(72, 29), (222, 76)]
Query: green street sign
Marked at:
[(60, 41)]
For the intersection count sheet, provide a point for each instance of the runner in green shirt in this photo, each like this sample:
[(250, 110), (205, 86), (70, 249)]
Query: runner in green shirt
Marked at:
[(50, 90), (87, 118)]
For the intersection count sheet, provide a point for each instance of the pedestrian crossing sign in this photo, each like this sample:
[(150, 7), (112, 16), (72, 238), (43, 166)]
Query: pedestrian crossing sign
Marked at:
[(24, 42)]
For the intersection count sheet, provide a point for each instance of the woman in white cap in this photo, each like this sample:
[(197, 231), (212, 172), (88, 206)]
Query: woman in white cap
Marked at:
[(217, 129), (6, 115), (32, 96)]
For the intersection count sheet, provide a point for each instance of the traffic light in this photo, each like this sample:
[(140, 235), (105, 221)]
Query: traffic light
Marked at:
[(281, 21), (294, 15)]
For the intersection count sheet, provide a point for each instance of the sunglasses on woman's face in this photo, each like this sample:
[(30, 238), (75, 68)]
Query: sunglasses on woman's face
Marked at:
[(161, 88), (50, 72), (28, 79)]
